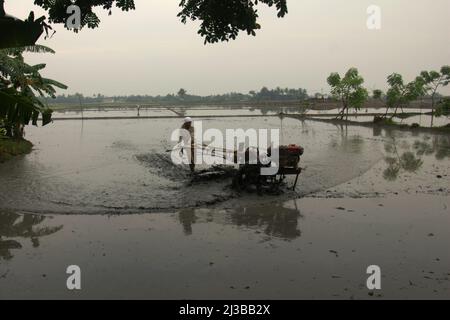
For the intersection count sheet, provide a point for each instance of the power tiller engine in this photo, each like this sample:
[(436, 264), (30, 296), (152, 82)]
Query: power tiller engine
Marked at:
[(249, 173)]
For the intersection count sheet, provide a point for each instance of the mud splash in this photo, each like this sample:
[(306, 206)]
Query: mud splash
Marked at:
[(206, 186)]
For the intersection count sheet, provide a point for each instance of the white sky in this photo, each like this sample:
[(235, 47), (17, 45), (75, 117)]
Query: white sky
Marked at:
[(148, 51)]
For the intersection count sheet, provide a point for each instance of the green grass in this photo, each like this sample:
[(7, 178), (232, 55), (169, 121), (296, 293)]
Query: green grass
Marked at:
[(404, 115), (10, 148)]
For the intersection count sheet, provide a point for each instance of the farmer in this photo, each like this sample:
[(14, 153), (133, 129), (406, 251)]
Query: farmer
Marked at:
[(186, 135)]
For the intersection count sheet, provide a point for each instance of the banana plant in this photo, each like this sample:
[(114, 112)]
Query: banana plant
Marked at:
[(21, 86)]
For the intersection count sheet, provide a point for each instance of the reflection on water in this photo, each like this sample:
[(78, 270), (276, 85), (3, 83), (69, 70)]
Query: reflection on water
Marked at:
[(13, 225), (276, 221), (344, 142), (273, 220), (397, 161), (438, 145), (402, 156), (407, 161), (187, 219)]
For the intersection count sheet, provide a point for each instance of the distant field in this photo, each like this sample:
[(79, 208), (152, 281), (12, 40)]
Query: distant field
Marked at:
[(310, 104)]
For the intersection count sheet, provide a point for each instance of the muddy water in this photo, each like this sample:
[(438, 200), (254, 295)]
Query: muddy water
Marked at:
[(123, 166), (366, 196)]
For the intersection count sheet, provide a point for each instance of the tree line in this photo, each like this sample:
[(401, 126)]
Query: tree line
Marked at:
[(350, 91), (25, 93), (265, 94)]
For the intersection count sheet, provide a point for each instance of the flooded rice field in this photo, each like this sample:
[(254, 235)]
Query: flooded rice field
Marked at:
[(418, 115), (195, 111), (106, 196), (125, 166)]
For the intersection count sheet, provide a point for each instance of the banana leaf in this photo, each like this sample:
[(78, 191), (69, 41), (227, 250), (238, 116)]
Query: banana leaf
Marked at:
[(16, 108)]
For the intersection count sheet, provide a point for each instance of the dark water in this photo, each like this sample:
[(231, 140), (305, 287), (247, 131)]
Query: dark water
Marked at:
[(304, 249)]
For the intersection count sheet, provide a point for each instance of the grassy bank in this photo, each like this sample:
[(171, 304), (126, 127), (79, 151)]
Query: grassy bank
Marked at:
[(10, 148), (389, 122), (385, 123)]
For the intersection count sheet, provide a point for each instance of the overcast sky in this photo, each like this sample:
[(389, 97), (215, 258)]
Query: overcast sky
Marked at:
[(149, 51)]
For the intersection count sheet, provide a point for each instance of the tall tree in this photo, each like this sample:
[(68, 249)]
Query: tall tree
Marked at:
[(377, 94), (401, 94), (182, 93), (349, 90), (433, 80), (220, 20)]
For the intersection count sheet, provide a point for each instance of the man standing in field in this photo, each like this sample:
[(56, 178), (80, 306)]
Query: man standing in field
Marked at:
[(187, 135)]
